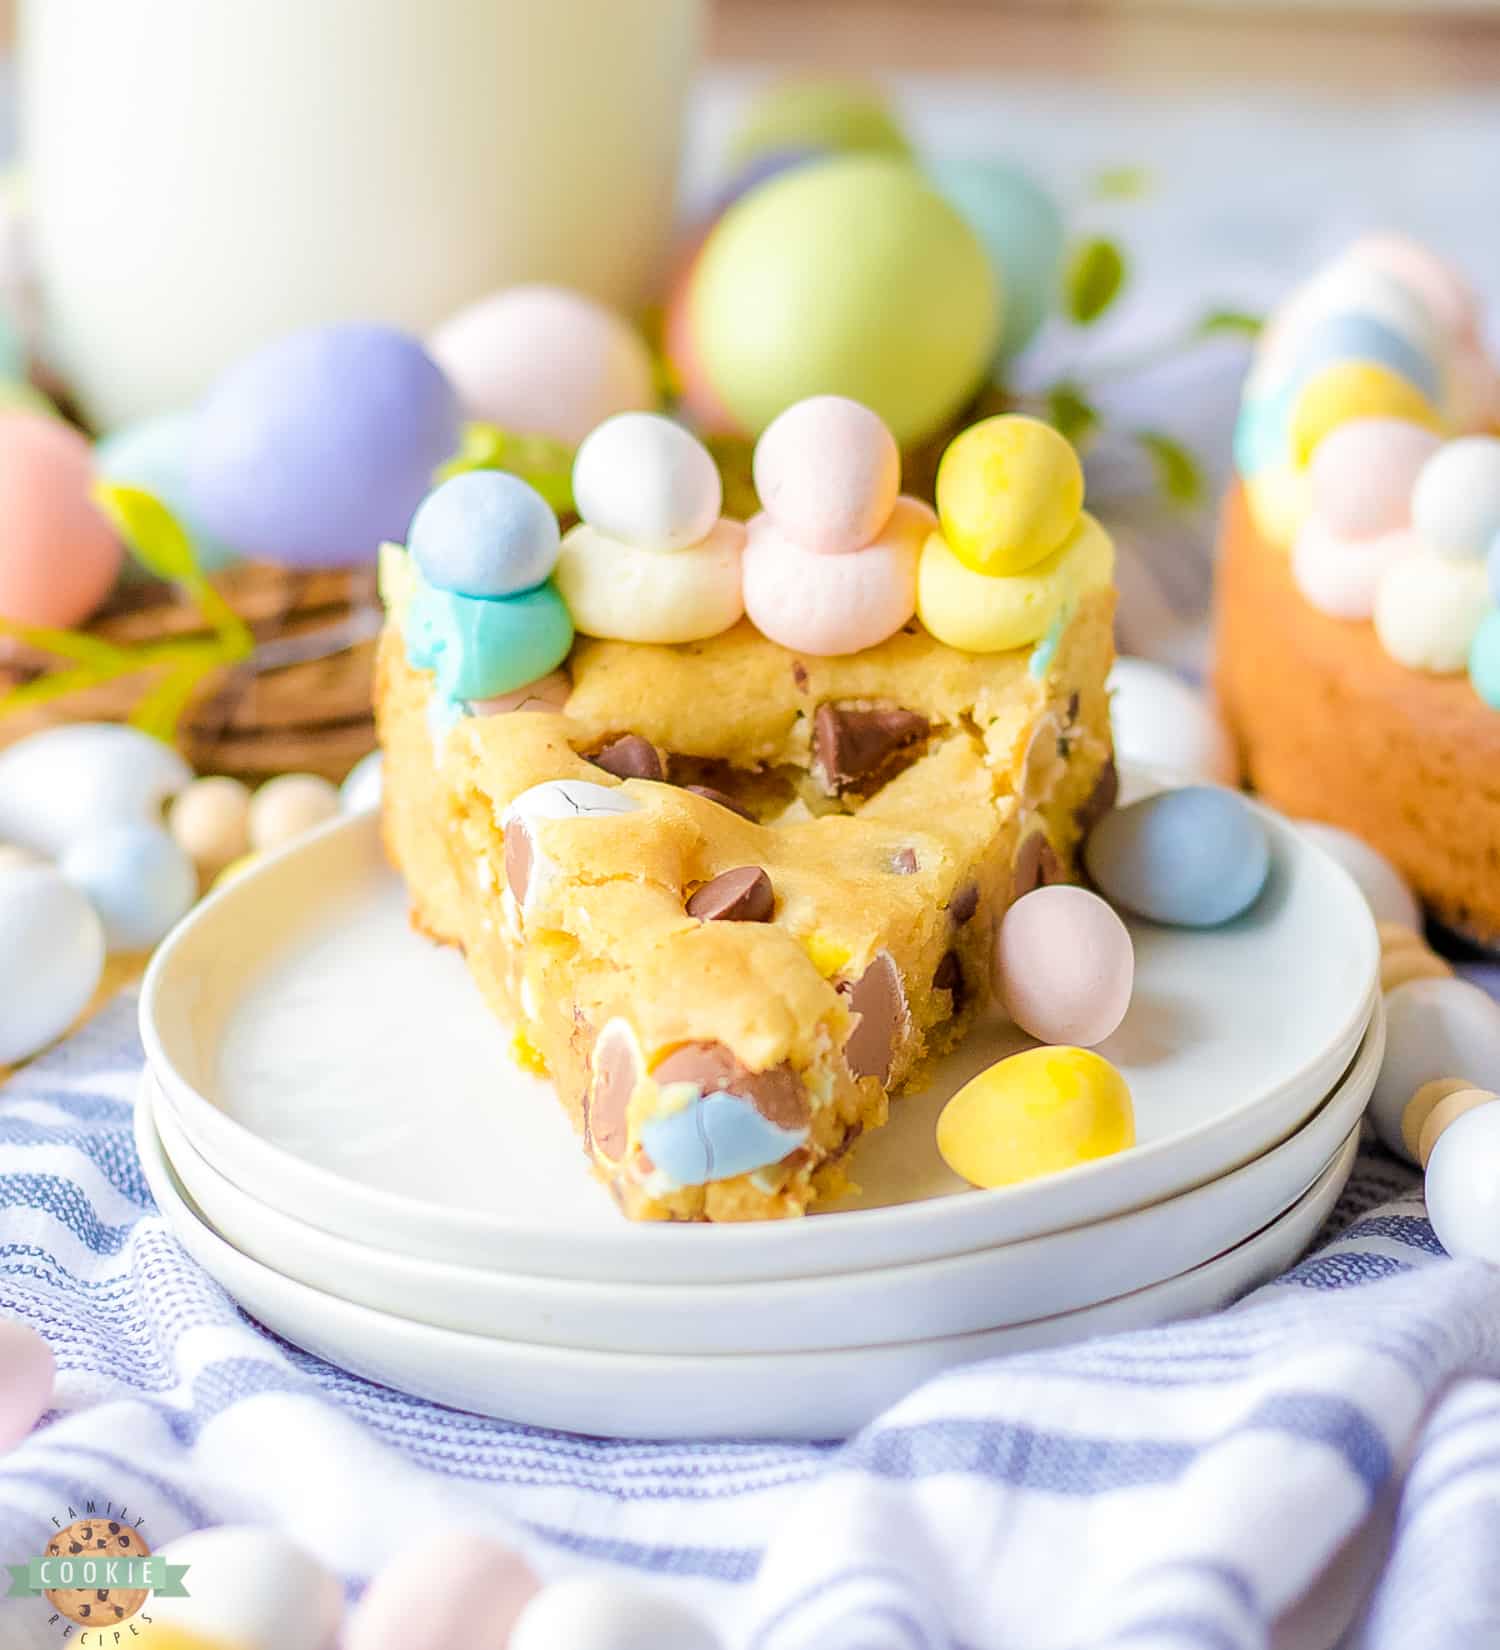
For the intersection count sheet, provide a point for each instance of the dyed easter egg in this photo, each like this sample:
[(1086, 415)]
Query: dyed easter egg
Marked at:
[(1278, 498), (1035, 1114), (252, 1589), (1160, 722), (1455, 505), (60, 783), (1386, 891), (623, 592), (137, 877), (26, 1392), (361, 789), (481, 648), (1449, 298), (1348, 390), (1341, 576), (541, 360), (848, 277), (484, 533), (1434, 1028), (1064, 966), (456, 1588), (832, 116), (827, 472), (1428, 609), (316, 448), (290, 806), (210, 821), (1191, 858), (605, 1613), (1463, 1185), (51, 960), (153, 456), (1484, 659), (1362, 475), (59, 557), (1355, 337), (1009, 491), (645, 480)]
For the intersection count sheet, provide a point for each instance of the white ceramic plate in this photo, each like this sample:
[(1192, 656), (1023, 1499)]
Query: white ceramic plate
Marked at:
[(954, 1295), (623, 1395), (335, 1065)]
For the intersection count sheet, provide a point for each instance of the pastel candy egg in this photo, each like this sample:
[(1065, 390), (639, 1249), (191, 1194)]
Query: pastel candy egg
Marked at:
[(549, 694), (252, 1589), (831, 605), (50, 962), (1064, 966), (484, 533), (153, 456), (288, 807), (715, 1137), (1160, 722), (1472, 401), (605, 1613), (59, 784), (1353, 389), (360, 791), (59, 557), (850, 276), (1355, 337), (456, 1588), (1009, 491), (1484, 660), (1492, 562), (541, 360), (1463, 1185), (1455, 505), (1450, 299), (1363, 472), (1036, 1113), (1386, 891), (835, 116), (620, 591), (1191, 858), (697, 397), (480, 648), (210, 821), (1356, 286), (645, 480), (1434, 1028), (26, 1391), (137, 877), (1339, 575), (1428, 610), (528, 868), (1278, 498), (827, 472), (318, 447), (1261, 437)]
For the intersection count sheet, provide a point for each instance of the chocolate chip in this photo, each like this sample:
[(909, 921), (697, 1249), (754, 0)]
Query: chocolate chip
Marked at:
[(799, 675), (852, 746), (949, 977), (776, 1094), (904, 862), (964, 904), (630, 757), (879, 1001), (741, 895), (709, 794), (1100, 800), (517, 859), (1073, 704), (1051, 867), (114, 1529), (616, 1070)]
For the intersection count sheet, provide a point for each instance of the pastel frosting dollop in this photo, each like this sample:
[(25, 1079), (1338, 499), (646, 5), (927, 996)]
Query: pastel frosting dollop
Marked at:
[(1340, 574), (1428, 610), (479, 648), (625, 593)]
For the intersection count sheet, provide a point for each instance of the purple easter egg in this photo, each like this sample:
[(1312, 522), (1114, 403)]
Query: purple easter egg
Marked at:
[(318, 447)]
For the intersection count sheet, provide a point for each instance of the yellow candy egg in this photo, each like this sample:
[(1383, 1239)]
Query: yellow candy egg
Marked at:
[(1035, 1114), (1279, 498), (1009, 490), (1349, 390)]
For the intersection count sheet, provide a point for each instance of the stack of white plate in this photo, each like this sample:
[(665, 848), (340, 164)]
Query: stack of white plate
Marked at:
[(332, 1125)]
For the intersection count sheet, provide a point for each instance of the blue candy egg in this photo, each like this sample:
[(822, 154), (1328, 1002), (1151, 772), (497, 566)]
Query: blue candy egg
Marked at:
[(480, 647), (484, 533), (136, 877), (1261, 434), (1353, 337), (1484, 659), (153, 455), (1020, 227), (321, 445), (1492, 567), (714, 1138), (1192, 858)]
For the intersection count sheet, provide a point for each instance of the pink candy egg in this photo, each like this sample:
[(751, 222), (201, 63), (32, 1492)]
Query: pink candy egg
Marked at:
[(830, 605), (828, 471), (1340, 575), (1064, 966), (58, 555), (548, 693), (26, 1390), (1453, 302), (454, 1589), (1363, 472)]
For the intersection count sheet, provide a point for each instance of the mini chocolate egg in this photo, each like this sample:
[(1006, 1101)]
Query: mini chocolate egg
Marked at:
[(1352, 286), (605, 1612), (455, 1588), (1347, 390), (59, 557), (1353, 337), (1434, 1028), (1484, 659), (210, 820), (1386, 891), (360, 791), (152, 455), (484, 533), (481, 648), (1190, 858), (541, 360), (51, 960), (251, 1588), (1064, 966), (1160, 722), (1341, 576), (622, 592), (1455, 504), (137, 877), (1428, 610), (826, 115), (1009, 492), (1463, 1185), (547, 695), (645, 480), (288, 807), (827, 472), (316, 448), (1363, 473), (1036, 1113), (26, 1391), (714, 1137), (850, 276)]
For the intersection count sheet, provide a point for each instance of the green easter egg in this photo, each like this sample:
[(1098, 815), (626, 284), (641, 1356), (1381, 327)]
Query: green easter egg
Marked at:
[(851, 276), (841, 116)]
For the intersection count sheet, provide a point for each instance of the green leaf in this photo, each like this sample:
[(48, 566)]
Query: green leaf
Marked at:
[(1122, 183), (1233, 322), (150, 529), (1071, 414), (1094, 277), (544, 463), (1177, 470)]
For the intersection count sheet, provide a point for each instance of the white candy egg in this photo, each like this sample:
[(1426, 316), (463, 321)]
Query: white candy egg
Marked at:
[(58, 784), (1352, 287), (1385, 889), (1427, 610), (1161, 722), (360, 792), (288, 807), (211, 822), (26, 1391), (645, 480), (50, 960), (1463, 1185), (454, 1589), (137, 877), (1434, 1028), (601, 1613), (251, 1588), (1455, 504)]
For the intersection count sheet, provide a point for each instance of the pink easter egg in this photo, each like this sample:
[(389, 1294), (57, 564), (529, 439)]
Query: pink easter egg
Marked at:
[(547, 693), (59, 556), (1453, 302), (455, 1588), (831, 605), (1363, 472), (26, 1390), (1064, 966), (827, 471), (1340, 575)]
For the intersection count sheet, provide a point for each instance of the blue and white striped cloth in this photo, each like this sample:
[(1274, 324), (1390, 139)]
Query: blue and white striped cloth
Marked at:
[(1319, 1465)]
